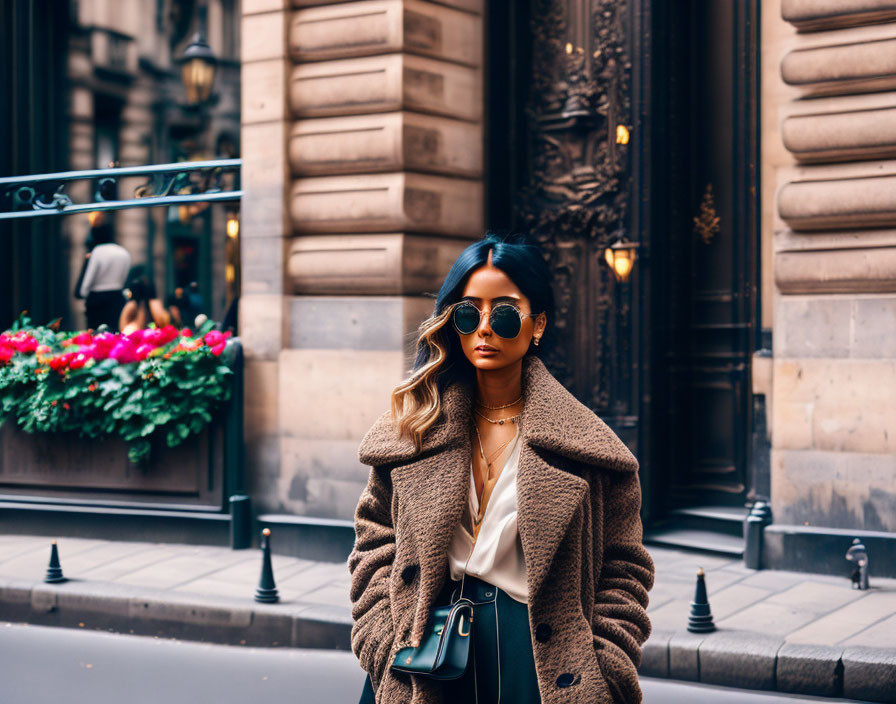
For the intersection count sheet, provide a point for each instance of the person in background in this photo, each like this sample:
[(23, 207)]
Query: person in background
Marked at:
[(144, 306), (103, 277), (196, 303), (178, 305)]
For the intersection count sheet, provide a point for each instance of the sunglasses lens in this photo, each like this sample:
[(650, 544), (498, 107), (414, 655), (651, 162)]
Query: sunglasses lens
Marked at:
[(505, 321), (466, 319)]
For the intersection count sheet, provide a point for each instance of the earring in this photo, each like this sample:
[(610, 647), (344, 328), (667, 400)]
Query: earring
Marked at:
[(537, 339)]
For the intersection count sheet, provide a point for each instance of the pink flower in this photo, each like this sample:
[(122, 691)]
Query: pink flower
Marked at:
[(143, 351), (136, 337), (105, 341), (213, 338), (5, 354), (218, 349), (83, 338), (124, 352), (186, 332), (153, 337)]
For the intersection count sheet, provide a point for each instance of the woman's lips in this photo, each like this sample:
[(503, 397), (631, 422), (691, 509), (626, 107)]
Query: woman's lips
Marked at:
[(486, 350)]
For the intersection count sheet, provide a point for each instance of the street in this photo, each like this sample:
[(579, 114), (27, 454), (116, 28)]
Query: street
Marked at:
[(41, 665)]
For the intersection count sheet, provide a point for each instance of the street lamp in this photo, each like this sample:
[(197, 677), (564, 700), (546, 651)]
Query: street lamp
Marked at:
[(198, 64)]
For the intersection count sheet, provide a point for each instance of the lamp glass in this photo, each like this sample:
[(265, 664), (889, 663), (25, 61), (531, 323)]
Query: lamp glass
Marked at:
[(198, 76), (621, 258)]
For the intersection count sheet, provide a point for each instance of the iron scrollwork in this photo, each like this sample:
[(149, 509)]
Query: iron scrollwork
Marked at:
[(167, 184), (576, 201)]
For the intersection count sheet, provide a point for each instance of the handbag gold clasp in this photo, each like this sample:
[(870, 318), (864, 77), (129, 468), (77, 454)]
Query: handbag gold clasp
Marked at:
[(460, 626)]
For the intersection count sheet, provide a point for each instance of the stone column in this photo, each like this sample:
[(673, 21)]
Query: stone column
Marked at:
[(834, 255), (264, 233), (383, 144)]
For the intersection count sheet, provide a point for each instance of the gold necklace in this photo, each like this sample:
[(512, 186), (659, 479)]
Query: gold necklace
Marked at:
[(497, 408), (499, 421)]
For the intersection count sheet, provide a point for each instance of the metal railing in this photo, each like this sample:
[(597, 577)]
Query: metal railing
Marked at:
[(180, 183)]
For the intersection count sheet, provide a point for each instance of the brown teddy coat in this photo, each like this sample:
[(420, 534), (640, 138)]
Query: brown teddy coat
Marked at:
[(579, 500)]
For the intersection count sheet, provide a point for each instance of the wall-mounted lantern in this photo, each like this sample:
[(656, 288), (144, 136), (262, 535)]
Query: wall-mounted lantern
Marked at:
[(621, 257), (233, 224)]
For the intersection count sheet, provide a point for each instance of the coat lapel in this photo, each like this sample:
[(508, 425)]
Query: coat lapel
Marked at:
[(432, 483)]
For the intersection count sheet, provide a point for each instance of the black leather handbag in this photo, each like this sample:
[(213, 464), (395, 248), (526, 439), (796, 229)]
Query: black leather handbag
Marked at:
[(445, 647)]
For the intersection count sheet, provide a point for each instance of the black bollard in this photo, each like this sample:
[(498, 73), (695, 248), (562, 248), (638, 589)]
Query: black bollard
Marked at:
[(700, 617), (54, 571), (267, 590)]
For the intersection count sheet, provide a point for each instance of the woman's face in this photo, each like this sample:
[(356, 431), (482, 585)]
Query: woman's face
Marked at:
[(487, 286)]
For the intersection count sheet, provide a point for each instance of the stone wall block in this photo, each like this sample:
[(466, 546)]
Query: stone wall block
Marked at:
[(839, 203), (335, 394), (848, 490), (842, 67), (387, 202), (816, 15), (870, 270), (841, 136), (473, 6), (263, 97), (374, 264), (385, 83), (380, 142), (385, 26)]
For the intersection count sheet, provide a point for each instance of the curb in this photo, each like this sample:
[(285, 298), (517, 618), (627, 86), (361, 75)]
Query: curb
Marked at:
[(136, 610), (759, 662)]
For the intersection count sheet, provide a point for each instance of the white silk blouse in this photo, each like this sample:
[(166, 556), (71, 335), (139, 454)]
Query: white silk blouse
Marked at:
[(497, 553)]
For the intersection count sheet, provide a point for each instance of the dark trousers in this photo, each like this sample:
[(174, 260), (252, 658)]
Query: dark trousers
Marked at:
[(501, 669), (104, 307)]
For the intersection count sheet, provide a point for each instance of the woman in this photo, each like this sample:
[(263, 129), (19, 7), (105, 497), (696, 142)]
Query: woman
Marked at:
[(488, 478), (144, 306), (103, 277)]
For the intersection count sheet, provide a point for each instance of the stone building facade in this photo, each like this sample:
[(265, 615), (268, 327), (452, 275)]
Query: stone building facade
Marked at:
[(364, 173), (830, 249)]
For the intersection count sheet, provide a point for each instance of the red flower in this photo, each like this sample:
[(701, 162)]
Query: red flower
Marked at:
[(83, 338), (218, 349), (5, 354), (66, 406), (169, 332), (186, 332), (79, 360)]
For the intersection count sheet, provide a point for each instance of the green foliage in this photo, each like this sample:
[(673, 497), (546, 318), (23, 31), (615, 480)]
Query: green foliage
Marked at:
[(172, 392)]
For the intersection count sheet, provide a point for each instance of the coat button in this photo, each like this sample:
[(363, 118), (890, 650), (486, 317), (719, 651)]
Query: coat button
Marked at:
[(542, 632), (407, 574), (567, 679)]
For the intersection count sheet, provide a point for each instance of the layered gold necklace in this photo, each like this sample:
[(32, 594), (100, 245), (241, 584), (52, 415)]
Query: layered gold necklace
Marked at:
[(489, 482)]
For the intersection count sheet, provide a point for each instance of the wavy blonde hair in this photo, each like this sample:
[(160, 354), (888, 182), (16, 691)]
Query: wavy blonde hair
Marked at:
[(416, 401)]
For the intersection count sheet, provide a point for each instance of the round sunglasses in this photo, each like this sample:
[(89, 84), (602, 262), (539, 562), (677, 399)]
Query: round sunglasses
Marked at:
[(505, 319)]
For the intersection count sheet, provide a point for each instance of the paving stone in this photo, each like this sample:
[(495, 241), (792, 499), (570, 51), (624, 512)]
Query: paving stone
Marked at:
[(732, 599), (810, 669), (742, 659), (328, 594), (774, 580), (672, 616), (816, 596), (847, 621), (880, 635), (869, 673), (771, 619)]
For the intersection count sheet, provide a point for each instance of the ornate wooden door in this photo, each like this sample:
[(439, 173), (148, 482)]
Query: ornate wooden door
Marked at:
[(638, 118)]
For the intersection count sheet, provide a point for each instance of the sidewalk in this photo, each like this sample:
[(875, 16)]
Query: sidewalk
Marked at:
[(781, 631)]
